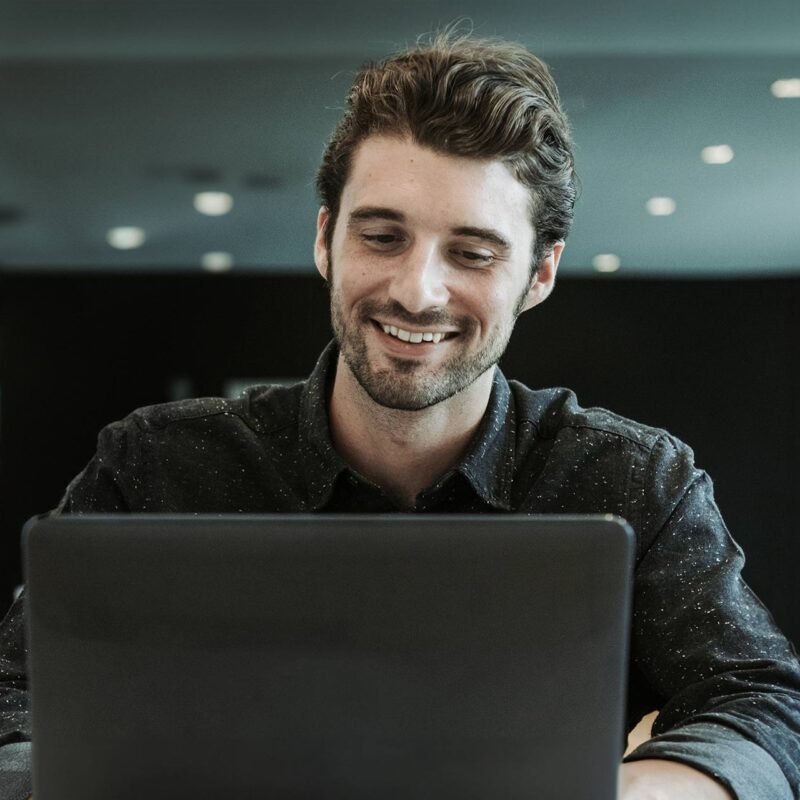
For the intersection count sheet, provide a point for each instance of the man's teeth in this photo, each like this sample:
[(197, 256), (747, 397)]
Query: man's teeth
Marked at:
[(414, 338)]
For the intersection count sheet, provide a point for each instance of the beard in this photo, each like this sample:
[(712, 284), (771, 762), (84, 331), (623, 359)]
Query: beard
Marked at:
[(411, 384)]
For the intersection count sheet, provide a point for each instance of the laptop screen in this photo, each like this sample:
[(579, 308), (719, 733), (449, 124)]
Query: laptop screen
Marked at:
[(327, 656)]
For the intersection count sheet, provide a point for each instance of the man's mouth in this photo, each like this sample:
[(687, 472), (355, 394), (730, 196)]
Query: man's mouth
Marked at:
[(415, 337)]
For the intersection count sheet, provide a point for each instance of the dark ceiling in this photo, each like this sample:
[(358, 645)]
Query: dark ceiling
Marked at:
[(117, 113)]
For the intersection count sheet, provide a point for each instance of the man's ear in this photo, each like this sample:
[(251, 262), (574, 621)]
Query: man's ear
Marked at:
[(320, 246), (545, 277)]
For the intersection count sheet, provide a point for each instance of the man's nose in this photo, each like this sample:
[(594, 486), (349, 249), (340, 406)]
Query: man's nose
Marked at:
[(420, 281)]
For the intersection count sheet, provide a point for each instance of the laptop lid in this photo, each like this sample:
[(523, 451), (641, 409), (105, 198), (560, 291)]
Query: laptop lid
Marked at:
[(311, 656)]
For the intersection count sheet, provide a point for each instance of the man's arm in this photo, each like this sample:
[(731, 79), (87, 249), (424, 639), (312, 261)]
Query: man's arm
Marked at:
[(657, 779), (94, 489), (729, 679), (15, 778)]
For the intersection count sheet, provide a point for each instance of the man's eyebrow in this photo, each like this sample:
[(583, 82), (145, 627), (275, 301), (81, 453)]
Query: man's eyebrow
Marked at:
[(366, 213), (376, 212), (487, 234)]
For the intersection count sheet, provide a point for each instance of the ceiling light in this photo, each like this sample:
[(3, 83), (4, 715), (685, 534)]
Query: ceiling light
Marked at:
[(660, 206), (214, 204), (717, 154), (126, 238), (786, 87), (217, 261), (606, 262)]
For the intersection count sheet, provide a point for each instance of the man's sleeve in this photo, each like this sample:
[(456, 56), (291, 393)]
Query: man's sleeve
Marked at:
[(705, 643), (15, 732), (98, 488)]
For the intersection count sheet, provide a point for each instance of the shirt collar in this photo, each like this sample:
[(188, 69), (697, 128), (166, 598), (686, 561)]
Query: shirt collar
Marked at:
[(322, 464), (488, 464)]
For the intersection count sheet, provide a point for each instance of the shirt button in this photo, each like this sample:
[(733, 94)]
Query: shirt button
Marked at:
[(352, 480)]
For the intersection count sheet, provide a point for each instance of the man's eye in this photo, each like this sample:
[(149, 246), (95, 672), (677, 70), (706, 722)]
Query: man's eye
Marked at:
[(379, 238), (471, 257)]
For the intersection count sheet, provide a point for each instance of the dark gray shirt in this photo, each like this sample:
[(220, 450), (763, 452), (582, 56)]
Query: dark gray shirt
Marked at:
[(703, 650)]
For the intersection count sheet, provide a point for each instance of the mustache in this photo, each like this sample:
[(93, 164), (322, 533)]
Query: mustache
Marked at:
[(425, 319)]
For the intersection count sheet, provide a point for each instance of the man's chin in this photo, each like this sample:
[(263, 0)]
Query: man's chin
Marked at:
[(403, 384), (388, 394)]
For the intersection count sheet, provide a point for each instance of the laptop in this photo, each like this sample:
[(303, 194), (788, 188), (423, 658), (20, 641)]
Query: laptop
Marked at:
[(339, 656)]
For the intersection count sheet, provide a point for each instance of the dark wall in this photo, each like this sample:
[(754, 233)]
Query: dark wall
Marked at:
[(712, 361)]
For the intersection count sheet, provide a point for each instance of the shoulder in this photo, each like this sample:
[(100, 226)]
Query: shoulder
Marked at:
[(209, 453), (260, 409), (589, 460), (261, 414), (555, 412), (597, 444)]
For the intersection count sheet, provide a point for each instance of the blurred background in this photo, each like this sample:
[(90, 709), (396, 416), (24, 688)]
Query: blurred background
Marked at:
[(157, 208)]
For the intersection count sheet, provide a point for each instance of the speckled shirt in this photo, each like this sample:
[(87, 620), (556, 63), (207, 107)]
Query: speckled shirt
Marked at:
[(703, 649)]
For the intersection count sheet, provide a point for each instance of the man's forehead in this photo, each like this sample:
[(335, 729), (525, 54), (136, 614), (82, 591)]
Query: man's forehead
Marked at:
[(384, 159)]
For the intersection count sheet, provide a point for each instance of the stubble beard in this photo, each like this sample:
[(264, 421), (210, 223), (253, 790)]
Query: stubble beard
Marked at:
[(408, 385)]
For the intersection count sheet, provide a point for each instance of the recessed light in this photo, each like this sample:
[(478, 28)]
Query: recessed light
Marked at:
[(606, 262), (786, 87), (717, 154), (217, 261), (660, 206), (126, 238), (214, 204)]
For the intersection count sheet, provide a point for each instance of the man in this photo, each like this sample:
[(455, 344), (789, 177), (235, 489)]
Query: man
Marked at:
[(447, 192)]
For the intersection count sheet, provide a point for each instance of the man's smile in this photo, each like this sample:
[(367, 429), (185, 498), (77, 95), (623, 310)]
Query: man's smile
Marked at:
[(415, 337)]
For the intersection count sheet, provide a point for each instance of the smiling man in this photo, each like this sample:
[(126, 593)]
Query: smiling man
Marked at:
[(432, 259), (447, 193)]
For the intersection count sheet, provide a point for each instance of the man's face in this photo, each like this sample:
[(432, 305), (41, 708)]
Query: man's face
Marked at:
[(429, 268)]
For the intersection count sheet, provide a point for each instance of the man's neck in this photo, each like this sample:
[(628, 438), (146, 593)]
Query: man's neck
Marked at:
[(403, 452)]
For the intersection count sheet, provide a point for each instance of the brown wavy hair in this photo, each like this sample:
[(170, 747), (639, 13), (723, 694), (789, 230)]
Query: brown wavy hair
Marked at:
[(463, 96)]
